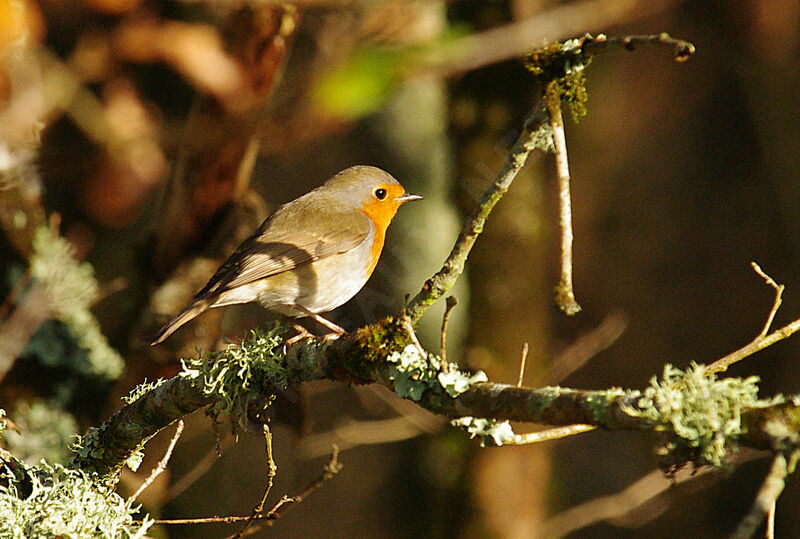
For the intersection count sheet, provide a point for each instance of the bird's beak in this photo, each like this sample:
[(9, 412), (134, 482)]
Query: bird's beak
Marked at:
[(408, 197)]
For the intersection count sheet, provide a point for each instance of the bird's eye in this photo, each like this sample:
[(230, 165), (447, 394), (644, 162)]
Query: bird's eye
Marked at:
[(380, 193)]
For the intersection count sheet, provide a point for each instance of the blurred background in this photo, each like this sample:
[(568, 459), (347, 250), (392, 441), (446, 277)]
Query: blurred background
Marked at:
[(155, 135)]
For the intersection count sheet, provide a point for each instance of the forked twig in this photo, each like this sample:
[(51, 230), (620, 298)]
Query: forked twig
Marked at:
[(332, 468), (272, 470), (763, 340), (409, 327), (776, 304)]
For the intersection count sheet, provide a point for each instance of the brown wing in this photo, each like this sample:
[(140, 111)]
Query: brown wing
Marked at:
[(286, 240)]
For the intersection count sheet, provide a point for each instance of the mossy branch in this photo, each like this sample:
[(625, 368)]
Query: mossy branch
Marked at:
[(701, 417)]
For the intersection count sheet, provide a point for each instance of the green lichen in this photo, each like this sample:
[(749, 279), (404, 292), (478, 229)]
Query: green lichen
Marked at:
[(253, 367), (564, 63), (45, 432), (700, 415), (145, 387), (573, 91), (88, 447), (71, 289), (54, 501), (490, 431), (81, 444), (599, 404)]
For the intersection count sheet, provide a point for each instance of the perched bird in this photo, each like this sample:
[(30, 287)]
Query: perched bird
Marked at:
[(312, 254)]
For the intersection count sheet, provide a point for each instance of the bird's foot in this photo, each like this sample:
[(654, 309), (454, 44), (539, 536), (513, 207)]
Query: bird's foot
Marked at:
[(322, 320), (302, 334)]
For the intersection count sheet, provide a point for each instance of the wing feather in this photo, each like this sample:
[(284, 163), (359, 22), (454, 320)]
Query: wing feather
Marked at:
[(286, 240)]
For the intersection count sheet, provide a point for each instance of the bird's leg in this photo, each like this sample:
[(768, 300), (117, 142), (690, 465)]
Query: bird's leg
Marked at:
[(322, 320)]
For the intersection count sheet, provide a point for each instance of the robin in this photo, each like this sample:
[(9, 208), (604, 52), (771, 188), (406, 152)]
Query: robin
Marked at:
[(311, 255)]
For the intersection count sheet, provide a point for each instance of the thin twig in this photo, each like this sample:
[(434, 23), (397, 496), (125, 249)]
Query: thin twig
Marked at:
[(333, 467), (565, 295), (272, 470), (515, 39), (409, 327), (757, 345), (763, 340), (765, 499), (162, 464), (522, 360), (450, 302), (438, 285), (550, 434), (681, 49), (776, 304)]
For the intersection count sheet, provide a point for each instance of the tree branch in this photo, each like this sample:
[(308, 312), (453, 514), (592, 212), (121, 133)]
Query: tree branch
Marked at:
[(382, 353), (535, 134)]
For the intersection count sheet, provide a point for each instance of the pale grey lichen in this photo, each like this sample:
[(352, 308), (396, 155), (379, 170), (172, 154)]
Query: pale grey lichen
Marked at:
[(135, 459), (413, 373), (46, 432), (542, 138), (700, 414), (54, 501), (490, 431), (456, 382), (71, 288)]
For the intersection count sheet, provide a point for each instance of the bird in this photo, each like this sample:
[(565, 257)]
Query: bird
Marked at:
[(310, 255)]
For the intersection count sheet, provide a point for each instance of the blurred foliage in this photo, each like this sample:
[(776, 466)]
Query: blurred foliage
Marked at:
[(369, 77), (71, 289), (45, 432), (363, 84)]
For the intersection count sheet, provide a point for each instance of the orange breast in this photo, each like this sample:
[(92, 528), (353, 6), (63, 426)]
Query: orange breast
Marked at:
[(375, 250), (381, 213)]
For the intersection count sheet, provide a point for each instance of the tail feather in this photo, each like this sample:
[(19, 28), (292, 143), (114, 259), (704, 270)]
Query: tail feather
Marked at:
[(180, 319)]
